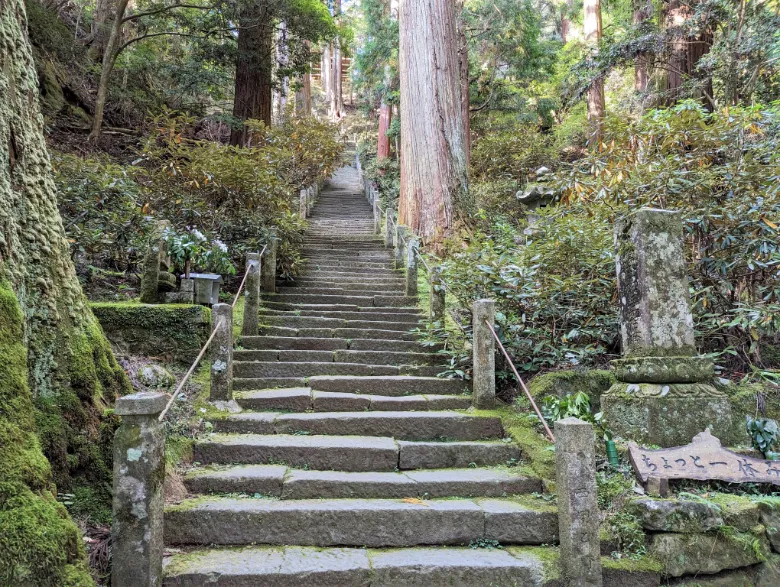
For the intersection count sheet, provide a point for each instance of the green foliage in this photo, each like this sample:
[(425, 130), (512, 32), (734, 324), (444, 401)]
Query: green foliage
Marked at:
[(574, 406), (763, 433), (514, 154), (626, 530), (191, 249)]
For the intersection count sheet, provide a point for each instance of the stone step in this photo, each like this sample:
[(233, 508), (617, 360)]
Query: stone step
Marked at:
[(249, 383), (351, 453), (317, 254), (294, 321), (340, 308), (369, 314), (303, 399), (352, 285), (443, 425), (372, 523), (259, 566), (340, 291), (258, 369), (284, 483), (342, 356), (331, 344), (400, 385), (340, 263), (348, 333), (364, 301)]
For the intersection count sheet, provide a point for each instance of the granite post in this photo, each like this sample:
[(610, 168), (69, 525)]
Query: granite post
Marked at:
[(251, 295), (268, 268), (150, 272), (222, 353), (411, 267), (484, 347), (139, 474), (438, 295), (663, 393), (388, 228), (578, 510), (398, 243), (303, 208)]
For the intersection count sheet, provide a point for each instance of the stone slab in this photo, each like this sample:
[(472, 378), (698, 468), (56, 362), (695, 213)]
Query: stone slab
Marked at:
[(450, 455), (399, 385), (263, 479), (296, 399), (340, 484), (513, 522), (472, 483), (328, 401), (671, 515)]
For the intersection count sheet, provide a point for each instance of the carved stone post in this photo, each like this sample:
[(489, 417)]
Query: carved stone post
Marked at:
[(411, 268), (268, 268), (578, 511), (150, 272), (663, 395), (484, 347), (438, 295), (398, 243), (139, 474), (377, 215), (388, 228), (303, 208), (251, 295), (222, 353)]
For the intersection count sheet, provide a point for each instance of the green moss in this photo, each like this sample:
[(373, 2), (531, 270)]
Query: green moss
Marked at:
[(642, 564), (594, 382), (39, 544), (537, 450), (178, 449), (549, 557)]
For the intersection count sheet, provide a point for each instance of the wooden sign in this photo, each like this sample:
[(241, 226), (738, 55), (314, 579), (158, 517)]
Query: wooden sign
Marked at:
[(704, 459)]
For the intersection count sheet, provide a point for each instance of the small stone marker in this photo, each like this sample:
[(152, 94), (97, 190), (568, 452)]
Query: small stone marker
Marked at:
[(252, 295), (268, 268), (411, 267), (703, 459), (484, 348), (438, 295), (139, 473), (578, 511), (664, 394), (222, 353)]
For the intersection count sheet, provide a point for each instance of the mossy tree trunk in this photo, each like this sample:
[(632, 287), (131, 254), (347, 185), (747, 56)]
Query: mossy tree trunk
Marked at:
[(71, 372)]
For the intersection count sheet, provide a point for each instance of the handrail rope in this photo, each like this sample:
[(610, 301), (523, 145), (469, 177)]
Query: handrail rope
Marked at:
[(243, 281), (191, 370), (522, 383)]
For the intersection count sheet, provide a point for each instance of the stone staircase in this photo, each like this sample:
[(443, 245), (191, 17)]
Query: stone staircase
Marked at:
[(351, 463)]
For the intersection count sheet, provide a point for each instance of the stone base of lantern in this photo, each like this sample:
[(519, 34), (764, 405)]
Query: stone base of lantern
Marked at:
[(669, 415)]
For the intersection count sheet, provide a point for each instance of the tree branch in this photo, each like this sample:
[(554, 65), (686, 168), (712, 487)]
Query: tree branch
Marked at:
[(138, 15)]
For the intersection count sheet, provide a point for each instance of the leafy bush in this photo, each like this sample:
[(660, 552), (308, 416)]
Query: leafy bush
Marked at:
[(513, 154), (763, 433)]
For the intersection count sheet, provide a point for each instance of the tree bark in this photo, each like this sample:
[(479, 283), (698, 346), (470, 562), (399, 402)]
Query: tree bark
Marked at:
[(643, 10), (465, 90), (592, 32), (434, 177), (102, 22), (326, 74), (283, 61), (303, 96), (383, 141), (684, 57), (336, 97), (254, 70), (70, 369)]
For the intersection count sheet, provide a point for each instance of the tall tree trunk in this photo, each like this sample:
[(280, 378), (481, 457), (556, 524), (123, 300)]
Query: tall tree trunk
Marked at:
[(684, 57), (254, 69), (102, 22), (383, 141), (465, 86), (326, 74), (52, 349), (643, 10), (283, 61), (303, 96), (110, 54), (434, 176), (592, 32), (566, 11), (336, 98)]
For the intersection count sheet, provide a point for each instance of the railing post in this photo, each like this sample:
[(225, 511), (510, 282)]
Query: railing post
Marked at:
[(222, 353), (484, 345), (139, 474), (398, 243), (578, 513), (388, 228), (268, 268), (411, 267), (438, 295), (303, 206), (251, 295), (377, 217), (309, 200)]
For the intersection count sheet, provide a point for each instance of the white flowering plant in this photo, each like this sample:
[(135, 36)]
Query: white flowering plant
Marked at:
[(192, 249)]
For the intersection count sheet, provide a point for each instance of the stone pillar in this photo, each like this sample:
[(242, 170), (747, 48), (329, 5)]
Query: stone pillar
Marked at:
[(438, 295), (398, 244), (377, 216), (150, 272), (251, 295), (222, 353), (388, 228), (578, 510), (664, 394), (268, 268), (303, 208), (411, 268), (484, 346), (139, 474)]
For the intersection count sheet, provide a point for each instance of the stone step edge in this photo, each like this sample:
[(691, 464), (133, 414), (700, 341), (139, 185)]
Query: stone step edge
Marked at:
[(306, 399)]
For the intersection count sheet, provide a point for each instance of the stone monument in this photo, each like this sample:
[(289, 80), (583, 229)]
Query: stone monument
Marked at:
[(664, 394)]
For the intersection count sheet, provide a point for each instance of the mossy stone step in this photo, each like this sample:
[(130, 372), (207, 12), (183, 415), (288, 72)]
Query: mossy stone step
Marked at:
[(259, 369), (281, 482), (365, 301), (355, 567), (341, 356), (359, 522), (295, 321), (347, 333), (436, 425), (369, 314), (389, 385)]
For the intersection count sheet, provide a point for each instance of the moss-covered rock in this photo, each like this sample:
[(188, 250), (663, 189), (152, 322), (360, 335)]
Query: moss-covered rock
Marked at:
[(769, 508), (692, 554), (39, 544), (766, 574), (594, 382), (170, 331), (672, 515)]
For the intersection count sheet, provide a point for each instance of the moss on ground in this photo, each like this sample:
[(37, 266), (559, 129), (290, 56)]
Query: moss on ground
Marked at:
[(39, 544)]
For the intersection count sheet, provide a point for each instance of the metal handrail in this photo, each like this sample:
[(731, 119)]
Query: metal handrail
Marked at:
[(191, 370), (522, 383)]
